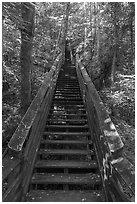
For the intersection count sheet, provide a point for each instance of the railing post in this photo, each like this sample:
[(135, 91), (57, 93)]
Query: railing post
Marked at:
[(107, 139), (16, 167)]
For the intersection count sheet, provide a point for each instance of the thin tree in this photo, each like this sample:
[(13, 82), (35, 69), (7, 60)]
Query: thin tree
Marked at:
[(66, 16), (98, 29), (93, 31), (27, 33), (115, 6), (57, 42), (131, 25)]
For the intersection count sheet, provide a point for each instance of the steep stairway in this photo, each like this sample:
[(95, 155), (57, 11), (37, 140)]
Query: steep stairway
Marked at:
[(66, 168)]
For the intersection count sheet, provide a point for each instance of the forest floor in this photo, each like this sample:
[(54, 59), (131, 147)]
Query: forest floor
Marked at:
[(119, 101)]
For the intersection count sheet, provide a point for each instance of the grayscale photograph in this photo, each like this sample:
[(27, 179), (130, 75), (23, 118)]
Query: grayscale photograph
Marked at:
[(68, 101)]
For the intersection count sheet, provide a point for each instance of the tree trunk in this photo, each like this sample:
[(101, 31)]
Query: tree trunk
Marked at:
[(27, 31), (93, 35), (98, 31), (57, 43), (90, 19), (65, 30), (132, 14), (113, 68), (85, 27), (113, 65)]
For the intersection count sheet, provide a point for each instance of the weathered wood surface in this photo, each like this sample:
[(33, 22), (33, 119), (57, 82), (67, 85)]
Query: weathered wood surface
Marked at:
[(11, 193), (28, 135), (18, 139), (10, 162), (31, 150), (114, 141), (123, 168)]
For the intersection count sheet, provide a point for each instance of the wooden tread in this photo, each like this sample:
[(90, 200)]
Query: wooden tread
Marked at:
[(65, 196), (67, 95), (66, 164), (68, 109), (51, 178), (66, 142), (67, 105), (65, 152), (68, 99), (58, 113), (67, 126), (67, 121), (68, 133), (68, 91), (61, 102)]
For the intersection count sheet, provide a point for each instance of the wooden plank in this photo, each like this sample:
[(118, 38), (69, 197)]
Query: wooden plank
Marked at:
[(65, 152), (36, 128), (114, 141), (87, 178), (11, 192), (32, 147), (68, 133), (65, 196), (67, 126), (66, 164), (18, 139), (75, 142), (107, 135), (9, 163), (124, 169)]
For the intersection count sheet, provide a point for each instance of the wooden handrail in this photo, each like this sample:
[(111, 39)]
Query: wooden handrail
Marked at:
[(10, 162), (109, 136), (19, 137), (114, 141), (18, 161)]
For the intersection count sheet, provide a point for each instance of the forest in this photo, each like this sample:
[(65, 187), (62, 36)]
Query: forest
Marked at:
[(102, 33)]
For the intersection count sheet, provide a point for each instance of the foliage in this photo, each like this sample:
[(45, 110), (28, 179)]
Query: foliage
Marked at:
[(91, 33), (120, 98)]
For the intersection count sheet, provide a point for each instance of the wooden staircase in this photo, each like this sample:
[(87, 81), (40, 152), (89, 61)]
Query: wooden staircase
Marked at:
[(66, 148), (66, 168)]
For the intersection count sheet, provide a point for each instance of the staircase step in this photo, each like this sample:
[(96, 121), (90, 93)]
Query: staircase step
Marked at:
[(70, 122), (59, 113), (67, 126), (67, 133), (68, 109), (65, 152), (68, 83), (65, 196), (67, 105), (68, 92), (66, 164), (67, 120), (89, 178), (60, 102), (67, 95), (67, 99), (68, 89), (77, 142), (69, 79)]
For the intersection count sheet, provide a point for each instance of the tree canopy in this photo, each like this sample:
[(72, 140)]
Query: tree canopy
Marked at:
[(102, 33)]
